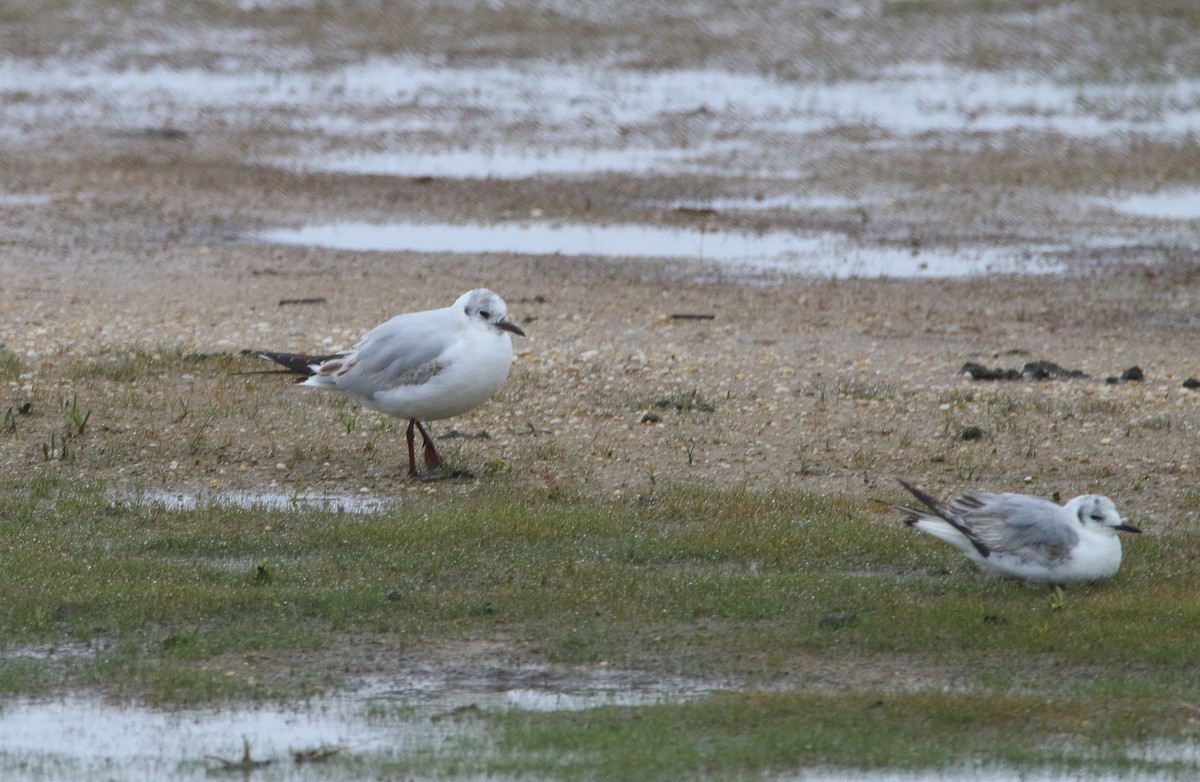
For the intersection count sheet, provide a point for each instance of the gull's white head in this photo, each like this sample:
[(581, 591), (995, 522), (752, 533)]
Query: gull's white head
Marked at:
[(1097, 512), (485, 307)]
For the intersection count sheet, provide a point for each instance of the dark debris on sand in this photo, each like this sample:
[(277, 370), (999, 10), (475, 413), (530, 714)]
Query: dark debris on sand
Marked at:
[(1033, 370), (1131, 375), (1045, 370)]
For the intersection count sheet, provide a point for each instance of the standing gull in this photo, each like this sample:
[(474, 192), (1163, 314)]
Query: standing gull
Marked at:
[(420, 365), (1026, 537)]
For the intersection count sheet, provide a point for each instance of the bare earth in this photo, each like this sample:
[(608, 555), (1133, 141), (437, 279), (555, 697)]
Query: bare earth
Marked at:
[(831, 386), (114, 240)]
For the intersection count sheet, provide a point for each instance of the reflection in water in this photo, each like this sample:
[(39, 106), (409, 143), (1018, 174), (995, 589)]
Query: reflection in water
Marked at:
[(85, 737), (541, 118), (1169, 204), (179, 500), (820, 254)]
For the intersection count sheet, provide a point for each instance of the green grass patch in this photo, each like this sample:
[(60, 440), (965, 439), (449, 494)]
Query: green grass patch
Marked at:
[(684, 581), (733, 735), (11, 365), (759, 734), (782, 573), (130, 364)]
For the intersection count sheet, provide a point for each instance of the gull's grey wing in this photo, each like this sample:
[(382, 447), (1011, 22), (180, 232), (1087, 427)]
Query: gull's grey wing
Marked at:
[(1016, 524), (403, 351)]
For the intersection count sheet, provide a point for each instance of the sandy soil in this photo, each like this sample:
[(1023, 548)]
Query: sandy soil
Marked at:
[(825, 386)]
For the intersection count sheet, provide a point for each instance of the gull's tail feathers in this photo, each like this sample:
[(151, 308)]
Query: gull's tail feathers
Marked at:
[(946, 525), (297, 363)]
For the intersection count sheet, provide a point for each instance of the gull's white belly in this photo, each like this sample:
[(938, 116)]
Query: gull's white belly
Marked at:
[(1095, 557)]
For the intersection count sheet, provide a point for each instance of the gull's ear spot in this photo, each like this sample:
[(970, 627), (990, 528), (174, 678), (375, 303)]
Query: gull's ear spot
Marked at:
[(1091, 513)]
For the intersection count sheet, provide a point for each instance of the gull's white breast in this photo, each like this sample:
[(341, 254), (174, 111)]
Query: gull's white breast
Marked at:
[(471, 370)]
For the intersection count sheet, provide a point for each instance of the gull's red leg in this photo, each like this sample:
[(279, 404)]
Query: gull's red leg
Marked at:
[(432, 459), (412, 453)]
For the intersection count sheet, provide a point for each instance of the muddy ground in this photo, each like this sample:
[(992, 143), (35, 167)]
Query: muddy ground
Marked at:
[(132, 278)]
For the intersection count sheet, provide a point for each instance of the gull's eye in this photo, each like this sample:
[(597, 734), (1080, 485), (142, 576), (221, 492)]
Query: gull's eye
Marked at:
[(485, 314), (1097, 517)]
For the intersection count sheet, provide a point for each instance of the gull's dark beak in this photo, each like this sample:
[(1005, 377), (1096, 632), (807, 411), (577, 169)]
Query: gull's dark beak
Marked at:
[(1127, 527), (508, 325)]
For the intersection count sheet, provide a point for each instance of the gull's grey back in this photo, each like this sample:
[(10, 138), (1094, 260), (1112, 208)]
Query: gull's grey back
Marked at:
[(402, 351), (1008, 523)]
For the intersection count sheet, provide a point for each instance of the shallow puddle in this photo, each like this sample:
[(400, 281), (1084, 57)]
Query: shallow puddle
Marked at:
[(540, 121), (84, 737), (542, 118), (1169, 204), (80, 737), (787, 252), (184, 501), (17, 200)]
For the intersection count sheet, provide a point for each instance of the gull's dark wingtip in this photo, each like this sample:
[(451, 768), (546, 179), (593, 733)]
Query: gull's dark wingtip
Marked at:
[(295, 362), (925, 497), (941, 512)]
